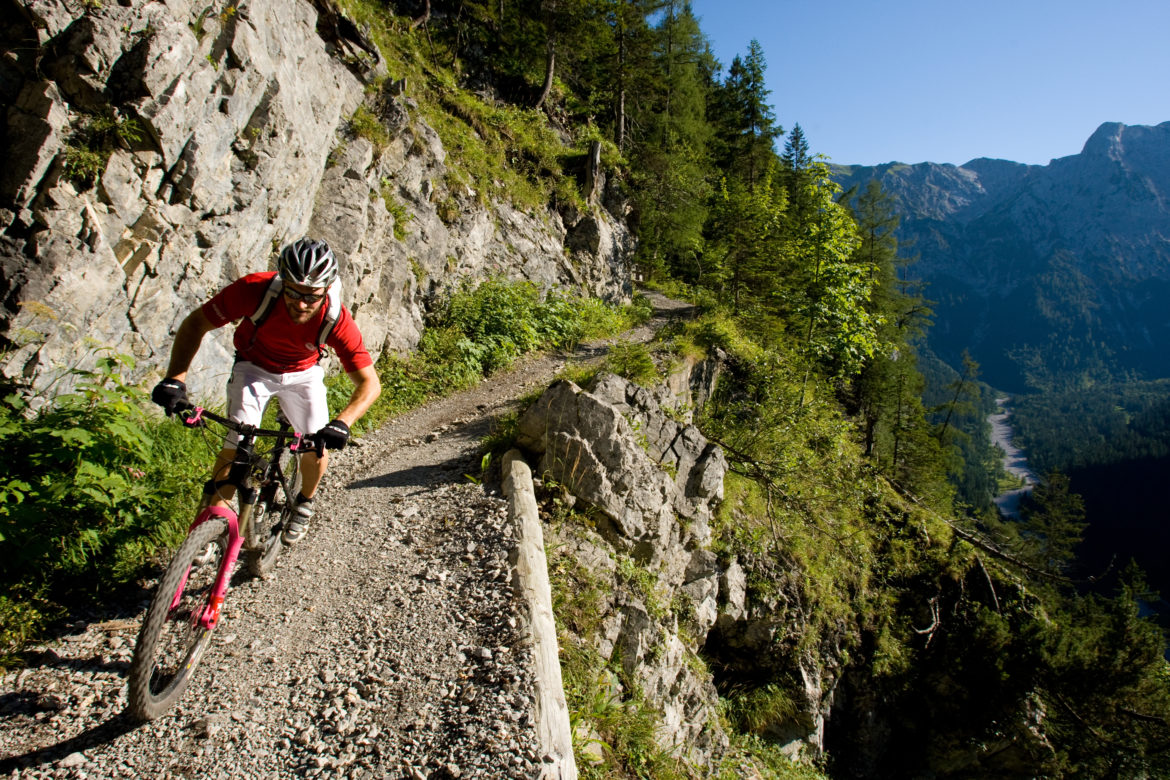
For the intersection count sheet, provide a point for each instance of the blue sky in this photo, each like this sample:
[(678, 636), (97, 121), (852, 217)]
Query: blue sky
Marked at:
[(946, 82)]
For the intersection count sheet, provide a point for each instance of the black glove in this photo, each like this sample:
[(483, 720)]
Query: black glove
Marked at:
[(171, 395), (333, 436)]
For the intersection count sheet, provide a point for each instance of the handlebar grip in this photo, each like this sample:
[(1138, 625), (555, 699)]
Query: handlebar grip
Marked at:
[(191, 415)]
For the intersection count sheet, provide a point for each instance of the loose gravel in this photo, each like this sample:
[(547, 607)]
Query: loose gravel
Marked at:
[(388, 643)]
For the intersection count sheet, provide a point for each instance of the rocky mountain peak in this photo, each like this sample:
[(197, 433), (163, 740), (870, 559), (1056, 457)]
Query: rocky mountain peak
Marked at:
[(1106, 141)]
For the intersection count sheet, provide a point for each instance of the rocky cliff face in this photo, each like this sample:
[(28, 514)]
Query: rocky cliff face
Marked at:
[(1049, 274), (652, 484), (652, 591), (229, 132)]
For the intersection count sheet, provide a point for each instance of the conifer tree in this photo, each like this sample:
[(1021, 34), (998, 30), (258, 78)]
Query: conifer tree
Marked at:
[(1054, 523), (746, 122), (673, 172), (963, 391), (886, 394), (796, 158), (747, 240)]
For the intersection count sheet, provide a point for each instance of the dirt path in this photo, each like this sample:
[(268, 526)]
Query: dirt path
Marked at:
[(386, 644)]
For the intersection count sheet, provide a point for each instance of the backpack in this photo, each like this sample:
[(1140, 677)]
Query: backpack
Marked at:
[(332, 309)]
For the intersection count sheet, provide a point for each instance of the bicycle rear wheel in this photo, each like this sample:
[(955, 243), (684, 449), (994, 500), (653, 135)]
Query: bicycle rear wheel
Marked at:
[(269, 520), (171, 641), (270, 515)]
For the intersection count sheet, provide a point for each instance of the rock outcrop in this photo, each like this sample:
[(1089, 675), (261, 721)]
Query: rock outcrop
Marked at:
[(651, 483), (227, 133), (665, 606)]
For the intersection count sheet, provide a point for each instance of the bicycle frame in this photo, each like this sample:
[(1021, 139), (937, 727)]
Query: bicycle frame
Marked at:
[(240, 477), (209, 618)]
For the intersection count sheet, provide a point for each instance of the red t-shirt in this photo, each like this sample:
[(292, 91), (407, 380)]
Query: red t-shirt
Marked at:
[(279, 345)]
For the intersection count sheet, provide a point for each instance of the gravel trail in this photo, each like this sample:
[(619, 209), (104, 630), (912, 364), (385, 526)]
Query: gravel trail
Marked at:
[(386, 644)]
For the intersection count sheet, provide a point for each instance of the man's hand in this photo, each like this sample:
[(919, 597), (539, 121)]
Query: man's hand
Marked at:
[(171, 395), (333, 436)]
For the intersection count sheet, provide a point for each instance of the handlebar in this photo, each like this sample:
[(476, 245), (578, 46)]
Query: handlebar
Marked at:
[(194, 416)]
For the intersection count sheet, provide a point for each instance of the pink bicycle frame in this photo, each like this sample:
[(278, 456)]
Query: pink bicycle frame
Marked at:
[(209, 616)]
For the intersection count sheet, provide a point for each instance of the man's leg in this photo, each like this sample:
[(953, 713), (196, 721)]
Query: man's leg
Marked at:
[(223, 464), (303, 401), (248, 392), (312, 470)]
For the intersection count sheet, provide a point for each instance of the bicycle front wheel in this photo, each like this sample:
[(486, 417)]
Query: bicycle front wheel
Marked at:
[(172, 641)]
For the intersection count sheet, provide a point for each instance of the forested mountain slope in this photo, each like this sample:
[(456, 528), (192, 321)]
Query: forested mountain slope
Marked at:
[(1054, 275)]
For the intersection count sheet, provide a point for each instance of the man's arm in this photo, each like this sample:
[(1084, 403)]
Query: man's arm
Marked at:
[(366, 389), (187, 340)]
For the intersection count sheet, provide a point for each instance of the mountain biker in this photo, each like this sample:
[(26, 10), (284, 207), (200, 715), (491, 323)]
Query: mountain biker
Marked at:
[(277, 355)]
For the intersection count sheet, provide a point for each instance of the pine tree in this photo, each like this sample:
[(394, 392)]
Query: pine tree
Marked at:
[(1054, 523), (886, 394), (747, 240), (796, 158)]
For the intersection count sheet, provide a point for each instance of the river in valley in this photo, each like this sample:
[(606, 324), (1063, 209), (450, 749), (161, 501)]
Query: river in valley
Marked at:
[(1014, 460)]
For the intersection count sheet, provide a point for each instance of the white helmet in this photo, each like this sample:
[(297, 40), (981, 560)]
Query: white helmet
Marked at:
[(309, 262)]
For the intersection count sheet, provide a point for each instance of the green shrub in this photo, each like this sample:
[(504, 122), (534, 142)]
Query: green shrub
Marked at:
[(632, 361), (365, 124), (402, 217), (755, 710), (479, 330), (89, 148), (101, 484)]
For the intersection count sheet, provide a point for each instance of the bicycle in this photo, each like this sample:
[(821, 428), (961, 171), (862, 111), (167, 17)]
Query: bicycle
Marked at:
[(189, 598)]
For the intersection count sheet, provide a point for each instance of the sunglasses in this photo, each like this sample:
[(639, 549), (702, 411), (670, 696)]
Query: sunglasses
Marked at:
[(296, 295)]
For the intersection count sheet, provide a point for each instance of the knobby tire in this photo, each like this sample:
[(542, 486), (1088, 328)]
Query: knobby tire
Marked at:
[(171, 643), (272, 517)]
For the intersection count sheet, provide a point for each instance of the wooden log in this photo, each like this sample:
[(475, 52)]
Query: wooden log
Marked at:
[(553, 729)]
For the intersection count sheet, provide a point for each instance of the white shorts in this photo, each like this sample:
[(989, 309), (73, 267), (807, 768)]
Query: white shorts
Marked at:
[(301, 394)]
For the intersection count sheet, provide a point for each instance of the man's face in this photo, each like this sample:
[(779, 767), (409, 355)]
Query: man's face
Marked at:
[(301, 310)]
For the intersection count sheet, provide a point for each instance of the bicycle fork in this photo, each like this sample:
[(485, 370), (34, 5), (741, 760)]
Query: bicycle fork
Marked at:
[(208, 616)]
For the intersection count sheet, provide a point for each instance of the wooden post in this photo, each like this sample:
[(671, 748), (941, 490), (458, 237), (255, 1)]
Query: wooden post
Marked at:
[(553, 729)]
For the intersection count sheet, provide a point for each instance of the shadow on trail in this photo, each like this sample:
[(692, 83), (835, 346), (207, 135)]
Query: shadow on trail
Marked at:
[(422, 476), (415, 476), (50, 658), (98, 735)]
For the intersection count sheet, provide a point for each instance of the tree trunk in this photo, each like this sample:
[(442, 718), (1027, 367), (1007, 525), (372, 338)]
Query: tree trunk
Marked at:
[(620, 105), (550, 64), (593, 172), (426, 15)]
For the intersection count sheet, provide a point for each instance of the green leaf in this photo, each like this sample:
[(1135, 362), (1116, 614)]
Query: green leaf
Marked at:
[(75, 437)]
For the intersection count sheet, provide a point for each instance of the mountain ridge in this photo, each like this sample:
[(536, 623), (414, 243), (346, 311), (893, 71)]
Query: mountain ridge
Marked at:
[(1078, 251)]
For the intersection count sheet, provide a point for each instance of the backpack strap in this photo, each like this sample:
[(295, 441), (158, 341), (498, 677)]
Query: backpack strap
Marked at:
[(332, 314), (268, 301)]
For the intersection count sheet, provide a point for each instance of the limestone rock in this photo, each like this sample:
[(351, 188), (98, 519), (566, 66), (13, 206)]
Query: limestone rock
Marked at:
[(655, 482), (238, 142)]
